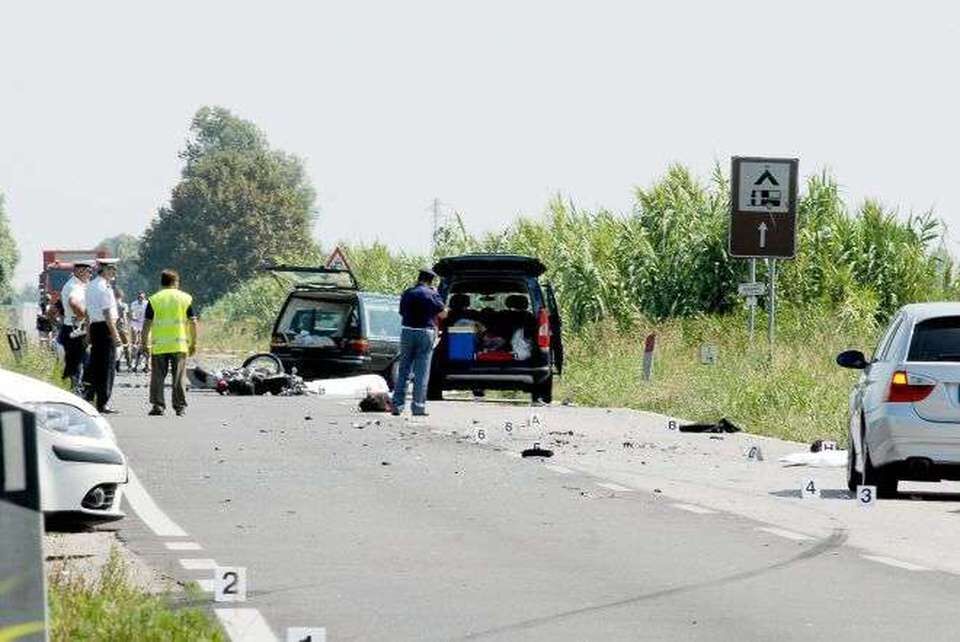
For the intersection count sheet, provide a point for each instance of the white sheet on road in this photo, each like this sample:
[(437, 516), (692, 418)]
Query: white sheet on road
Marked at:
[(358, 386), (822, 459)]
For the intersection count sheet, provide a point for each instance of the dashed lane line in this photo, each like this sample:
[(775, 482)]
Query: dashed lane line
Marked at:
[(182, 546), (614, 487), (782, 532), (148, 511), (206, 584), (245, 625), (889, 561), (693, 508), (198, 564)]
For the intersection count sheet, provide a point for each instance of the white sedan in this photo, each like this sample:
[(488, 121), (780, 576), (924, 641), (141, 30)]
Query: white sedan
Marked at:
[(81, 468)]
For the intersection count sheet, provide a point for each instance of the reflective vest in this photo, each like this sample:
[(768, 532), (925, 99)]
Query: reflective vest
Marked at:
[(168, 329)]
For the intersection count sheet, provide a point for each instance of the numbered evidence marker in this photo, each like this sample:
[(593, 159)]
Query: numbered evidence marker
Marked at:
[(306, 634), (671, 425), (230, 584), (508, 427), (755, 454), (867, 496), (535, 421), (809, 490), (480, 435)]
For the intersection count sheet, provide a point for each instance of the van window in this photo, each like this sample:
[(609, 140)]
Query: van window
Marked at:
[(936, 339), (382, 320), (314, 317)]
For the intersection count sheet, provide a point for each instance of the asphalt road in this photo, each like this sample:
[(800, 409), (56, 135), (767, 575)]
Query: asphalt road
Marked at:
[(396, 532)]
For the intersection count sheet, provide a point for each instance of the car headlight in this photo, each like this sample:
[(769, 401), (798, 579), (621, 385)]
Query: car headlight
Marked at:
[(66, 419)]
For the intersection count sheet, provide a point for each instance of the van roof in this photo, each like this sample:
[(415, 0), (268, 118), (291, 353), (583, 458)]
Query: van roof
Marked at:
[(489, 263)]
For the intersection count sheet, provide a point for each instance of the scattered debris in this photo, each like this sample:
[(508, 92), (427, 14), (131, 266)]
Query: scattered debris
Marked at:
[(376, 402), (384, 463), (755, 454), (536, 451), (657, 490), (724, 425)]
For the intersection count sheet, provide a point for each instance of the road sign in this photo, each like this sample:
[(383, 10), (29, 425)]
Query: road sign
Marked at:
[(23, 605), (752, 289), (763, 207), (337, 260)]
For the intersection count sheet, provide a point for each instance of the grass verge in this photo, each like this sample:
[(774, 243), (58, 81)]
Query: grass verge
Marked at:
[(37, 362), (114, 608), (799, 394)]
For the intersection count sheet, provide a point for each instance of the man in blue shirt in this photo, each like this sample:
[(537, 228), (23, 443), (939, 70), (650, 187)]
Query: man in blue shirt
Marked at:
[(420, 307)]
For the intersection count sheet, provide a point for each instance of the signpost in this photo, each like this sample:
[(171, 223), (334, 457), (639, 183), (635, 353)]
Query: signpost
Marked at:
[(763, 223), (337, 260), (23, 603)]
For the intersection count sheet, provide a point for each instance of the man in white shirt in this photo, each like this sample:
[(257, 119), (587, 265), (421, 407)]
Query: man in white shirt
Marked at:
[(73, 300), (104, 337), (137, 310)]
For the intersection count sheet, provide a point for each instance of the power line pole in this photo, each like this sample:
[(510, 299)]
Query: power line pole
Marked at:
[(436, 224)]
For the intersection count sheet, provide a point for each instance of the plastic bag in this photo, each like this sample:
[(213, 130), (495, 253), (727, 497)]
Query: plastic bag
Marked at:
[(521, 347)]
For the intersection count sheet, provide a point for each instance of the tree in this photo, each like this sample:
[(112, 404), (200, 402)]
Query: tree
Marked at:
[(239, 204), (9, 257)]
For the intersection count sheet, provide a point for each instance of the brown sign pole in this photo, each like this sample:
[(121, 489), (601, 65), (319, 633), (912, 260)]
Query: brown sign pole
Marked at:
[(763, 219)]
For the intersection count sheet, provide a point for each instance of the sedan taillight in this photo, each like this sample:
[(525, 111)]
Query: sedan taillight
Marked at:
[(908, 388)]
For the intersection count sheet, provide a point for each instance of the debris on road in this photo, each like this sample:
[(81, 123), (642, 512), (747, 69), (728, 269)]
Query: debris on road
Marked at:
[(246, 381), (348, 386), (823, 444), (376, 402), (755, 454), (536, 451), (724, 425)]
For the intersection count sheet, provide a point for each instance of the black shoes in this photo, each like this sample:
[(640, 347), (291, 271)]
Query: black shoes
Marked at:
[(181, 412), (155, 412)]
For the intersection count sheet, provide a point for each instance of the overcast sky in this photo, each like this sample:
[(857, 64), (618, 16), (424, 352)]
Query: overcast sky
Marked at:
[(489, 106)]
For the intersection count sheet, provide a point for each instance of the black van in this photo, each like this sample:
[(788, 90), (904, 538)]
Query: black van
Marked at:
[(503, 329), (327, 327)]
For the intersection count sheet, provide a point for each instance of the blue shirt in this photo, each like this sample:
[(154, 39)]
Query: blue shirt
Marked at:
[(419, 307)]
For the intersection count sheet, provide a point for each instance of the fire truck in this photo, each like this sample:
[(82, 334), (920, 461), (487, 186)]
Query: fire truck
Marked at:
[(57, 268)]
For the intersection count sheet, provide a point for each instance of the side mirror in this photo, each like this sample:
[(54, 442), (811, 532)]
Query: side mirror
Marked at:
[(853, 359)]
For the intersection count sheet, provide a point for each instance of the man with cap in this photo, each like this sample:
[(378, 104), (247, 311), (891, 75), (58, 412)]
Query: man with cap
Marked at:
[(420, 307), (104, 336), (72, 338)]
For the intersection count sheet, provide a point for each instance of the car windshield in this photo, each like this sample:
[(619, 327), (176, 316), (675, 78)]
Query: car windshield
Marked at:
[(382, 320), (314, 317), (936, 339)]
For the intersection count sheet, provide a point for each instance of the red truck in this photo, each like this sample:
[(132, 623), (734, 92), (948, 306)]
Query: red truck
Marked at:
[(58, 266)]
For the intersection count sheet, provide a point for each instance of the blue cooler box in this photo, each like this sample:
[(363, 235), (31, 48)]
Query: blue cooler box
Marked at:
[(461, 344)]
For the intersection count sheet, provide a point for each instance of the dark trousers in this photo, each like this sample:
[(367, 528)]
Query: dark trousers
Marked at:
[(103, 360), (73, 352), (176, 363)]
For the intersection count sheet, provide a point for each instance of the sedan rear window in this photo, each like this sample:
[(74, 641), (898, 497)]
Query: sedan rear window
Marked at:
[(936, 339)]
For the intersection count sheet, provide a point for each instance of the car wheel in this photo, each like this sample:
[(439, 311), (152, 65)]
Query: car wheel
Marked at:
[(883, 478), (854, 478), (543, 392)]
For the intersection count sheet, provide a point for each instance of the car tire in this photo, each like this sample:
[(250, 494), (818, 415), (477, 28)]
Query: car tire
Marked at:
[(884, 477), (854, 478), (266, 361), (543, 391)]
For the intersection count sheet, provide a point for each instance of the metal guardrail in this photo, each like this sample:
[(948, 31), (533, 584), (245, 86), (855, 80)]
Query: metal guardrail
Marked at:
[(23, 604), (18, 342)]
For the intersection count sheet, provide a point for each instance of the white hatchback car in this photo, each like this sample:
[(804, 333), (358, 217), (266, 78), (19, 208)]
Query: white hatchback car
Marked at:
[(905, 408), (81, 468)]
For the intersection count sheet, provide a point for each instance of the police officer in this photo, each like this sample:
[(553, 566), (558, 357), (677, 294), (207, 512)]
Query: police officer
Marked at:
[(420, 307), (170, 335), (72, 337), (104, 337)]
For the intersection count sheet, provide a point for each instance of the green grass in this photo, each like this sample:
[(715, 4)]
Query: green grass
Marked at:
[(800, 394), (114, 608), (37, 363)]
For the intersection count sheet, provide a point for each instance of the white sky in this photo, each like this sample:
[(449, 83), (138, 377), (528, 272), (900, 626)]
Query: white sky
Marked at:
[(490, 106)]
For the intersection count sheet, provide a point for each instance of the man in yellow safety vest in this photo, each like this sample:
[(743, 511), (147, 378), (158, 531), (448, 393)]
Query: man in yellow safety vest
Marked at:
[(169, 336)]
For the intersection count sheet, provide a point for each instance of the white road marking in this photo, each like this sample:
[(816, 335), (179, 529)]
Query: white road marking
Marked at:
[(889, 561), (183, 546), (692, 508), (558, 469), (206, 585), (148, 511), (245, 625), (616, 487), (198, 564), (780, 532)]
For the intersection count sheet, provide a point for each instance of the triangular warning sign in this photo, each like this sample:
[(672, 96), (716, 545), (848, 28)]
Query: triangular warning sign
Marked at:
[(766, 176), (337, 260)]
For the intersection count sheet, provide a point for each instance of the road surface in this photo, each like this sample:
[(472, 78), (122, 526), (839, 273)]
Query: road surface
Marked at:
[(408, 531)]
